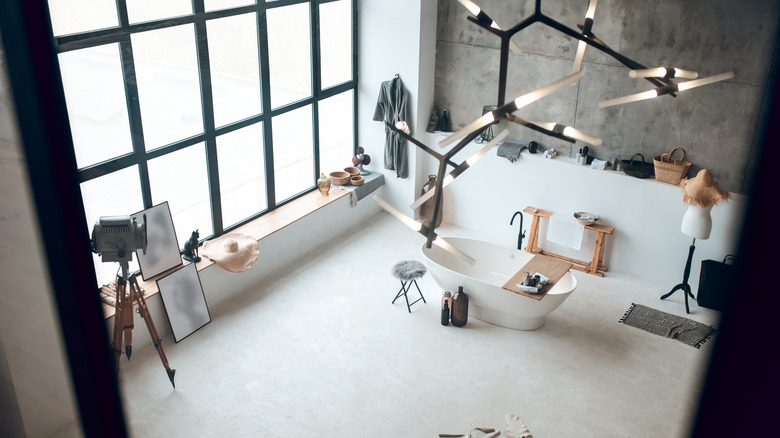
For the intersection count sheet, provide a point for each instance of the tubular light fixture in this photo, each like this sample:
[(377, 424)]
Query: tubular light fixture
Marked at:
[(586, 28), (483, 18), (663, 72), (666, 90), (570, 132), (520, 102), (422, 229), (460, 169)]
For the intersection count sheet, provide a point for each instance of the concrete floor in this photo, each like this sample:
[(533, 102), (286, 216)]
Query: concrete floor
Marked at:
[(319, 350)]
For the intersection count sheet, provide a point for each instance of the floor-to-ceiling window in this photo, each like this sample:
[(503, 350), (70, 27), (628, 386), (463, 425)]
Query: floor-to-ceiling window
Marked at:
[(224, 109)]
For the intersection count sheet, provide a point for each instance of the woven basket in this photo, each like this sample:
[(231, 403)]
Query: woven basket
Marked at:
[(669, 169), (638, 168), (339, 178), (356, 180), (352, 171)]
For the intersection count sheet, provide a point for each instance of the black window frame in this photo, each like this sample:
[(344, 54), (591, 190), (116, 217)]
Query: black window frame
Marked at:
[(140, 156)]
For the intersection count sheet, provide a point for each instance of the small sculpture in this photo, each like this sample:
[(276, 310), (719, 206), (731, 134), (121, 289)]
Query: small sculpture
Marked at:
[(191, 248), (361, 159)]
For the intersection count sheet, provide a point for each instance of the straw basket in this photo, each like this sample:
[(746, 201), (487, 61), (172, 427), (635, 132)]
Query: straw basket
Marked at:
[(356, 180), (339, 178), (669, 169)]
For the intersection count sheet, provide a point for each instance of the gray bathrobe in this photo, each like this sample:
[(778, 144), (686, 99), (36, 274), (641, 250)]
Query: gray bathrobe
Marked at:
[(391, 107)]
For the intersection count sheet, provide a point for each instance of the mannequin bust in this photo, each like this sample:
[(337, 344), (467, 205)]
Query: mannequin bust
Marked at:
[(697, 222)]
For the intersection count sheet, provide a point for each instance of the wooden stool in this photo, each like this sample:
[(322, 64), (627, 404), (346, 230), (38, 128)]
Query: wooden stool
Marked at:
[(408, 271), (595, 266)]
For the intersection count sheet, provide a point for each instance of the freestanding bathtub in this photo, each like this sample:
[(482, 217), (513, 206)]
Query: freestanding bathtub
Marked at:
[(482, 282)]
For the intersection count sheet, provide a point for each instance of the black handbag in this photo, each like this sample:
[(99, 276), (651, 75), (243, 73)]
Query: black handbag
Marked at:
[(716, 281)]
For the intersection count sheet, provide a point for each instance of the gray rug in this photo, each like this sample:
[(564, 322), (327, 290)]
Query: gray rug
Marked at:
[(685, 330)]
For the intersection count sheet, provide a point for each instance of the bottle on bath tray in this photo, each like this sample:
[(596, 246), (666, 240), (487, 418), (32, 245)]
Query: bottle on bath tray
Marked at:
[(446, 301), (460, 308)]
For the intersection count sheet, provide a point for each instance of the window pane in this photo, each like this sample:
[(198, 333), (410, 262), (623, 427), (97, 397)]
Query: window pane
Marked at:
[(181, 179), (168, 84), (336, 42), (336, 132), (97, 109), (293, 153), (235, 68), (241, 174), (214, 5), (289, 53), (69, 17), (139, 11), (115, 194)]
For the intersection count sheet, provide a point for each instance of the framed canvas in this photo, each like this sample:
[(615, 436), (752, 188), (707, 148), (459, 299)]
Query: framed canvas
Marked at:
[(184, 301), (162, 248)]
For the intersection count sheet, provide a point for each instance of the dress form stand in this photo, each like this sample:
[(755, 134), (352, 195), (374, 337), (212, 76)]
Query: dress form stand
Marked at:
[(696, 223)]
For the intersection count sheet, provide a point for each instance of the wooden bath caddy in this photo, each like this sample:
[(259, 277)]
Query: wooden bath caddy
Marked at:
[(595, 266), (549, 267)]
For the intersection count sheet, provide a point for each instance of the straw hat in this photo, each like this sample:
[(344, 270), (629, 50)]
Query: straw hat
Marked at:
[(233, 252), (703, 190)]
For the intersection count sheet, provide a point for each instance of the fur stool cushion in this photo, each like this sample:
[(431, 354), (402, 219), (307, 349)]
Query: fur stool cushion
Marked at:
[(408, 270)]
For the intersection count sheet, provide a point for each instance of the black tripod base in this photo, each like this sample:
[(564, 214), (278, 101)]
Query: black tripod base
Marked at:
[(686, 288)]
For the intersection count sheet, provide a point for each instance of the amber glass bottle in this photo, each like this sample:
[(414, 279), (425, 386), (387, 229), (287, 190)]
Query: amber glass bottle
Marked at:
[(460, 308)]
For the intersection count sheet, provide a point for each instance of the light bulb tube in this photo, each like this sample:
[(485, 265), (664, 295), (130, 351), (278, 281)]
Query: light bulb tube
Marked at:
[(581, 136), (473, 8), (591, 9), (409, 222), (663, 72), (570, 132), (580, 54), (546, 90), (628, 99), (460, 169), (682, 86), (447, 246), (480, 123)]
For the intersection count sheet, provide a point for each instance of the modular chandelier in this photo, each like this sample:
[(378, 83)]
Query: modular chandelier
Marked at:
[(660, 77)]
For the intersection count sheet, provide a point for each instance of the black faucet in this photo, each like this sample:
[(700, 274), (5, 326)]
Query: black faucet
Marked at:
[(521, 233)]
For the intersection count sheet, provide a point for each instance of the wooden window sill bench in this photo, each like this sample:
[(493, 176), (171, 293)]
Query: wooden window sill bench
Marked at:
[(259, 228)]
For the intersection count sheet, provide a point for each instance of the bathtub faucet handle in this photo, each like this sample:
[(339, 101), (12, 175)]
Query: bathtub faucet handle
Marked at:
[(521, 233)]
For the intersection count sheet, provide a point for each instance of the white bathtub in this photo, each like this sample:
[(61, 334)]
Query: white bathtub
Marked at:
[(482, 282)]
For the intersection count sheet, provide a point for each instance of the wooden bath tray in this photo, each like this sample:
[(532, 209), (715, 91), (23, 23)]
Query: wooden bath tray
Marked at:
[(550, 267)]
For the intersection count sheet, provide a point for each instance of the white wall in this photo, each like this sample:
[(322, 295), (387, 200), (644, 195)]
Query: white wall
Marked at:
[(646, 214), (396, 37)]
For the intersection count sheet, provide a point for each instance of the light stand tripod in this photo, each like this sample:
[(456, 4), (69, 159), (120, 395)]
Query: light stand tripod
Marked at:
[(684, 286), (123, 320)]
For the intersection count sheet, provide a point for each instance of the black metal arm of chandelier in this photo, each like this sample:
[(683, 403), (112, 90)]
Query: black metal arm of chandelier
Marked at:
[(444, 160), (538, 17)]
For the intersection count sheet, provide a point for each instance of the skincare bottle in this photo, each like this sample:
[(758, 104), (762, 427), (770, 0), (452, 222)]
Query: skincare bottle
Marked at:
[(446, 301), (444, 121), (460, 308)]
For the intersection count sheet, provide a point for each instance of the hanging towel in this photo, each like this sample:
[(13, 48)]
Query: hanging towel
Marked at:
[(564, 230), (509, 150)]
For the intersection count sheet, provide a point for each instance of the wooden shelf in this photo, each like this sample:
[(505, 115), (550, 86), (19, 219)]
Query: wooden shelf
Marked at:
[(595, 266), (259, 228)]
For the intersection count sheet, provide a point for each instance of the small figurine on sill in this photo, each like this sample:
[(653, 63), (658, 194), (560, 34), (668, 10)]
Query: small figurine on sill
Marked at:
[(191, 248)]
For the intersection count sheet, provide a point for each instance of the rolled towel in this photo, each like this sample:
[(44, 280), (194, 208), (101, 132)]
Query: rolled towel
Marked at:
[(542, 278), (510, 151), (529, 289)]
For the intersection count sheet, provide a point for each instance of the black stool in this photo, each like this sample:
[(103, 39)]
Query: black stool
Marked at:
[(408, 271)]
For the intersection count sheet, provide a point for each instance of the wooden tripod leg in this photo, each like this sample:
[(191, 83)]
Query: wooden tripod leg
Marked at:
[(138, 297), (116, 345)]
